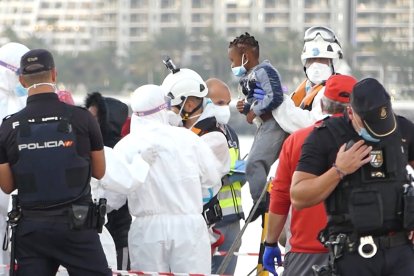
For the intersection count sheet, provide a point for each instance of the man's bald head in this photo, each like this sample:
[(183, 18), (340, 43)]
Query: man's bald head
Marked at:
[(218, 92)]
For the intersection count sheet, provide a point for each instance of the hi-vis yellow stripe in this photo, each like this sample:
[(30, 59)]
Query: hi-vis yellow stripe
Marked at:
[(229, 202)]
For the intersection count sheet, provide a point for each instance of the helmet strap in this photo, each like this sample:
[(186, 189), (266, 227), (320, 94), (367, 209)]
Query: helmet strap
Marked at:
[(186, 115)]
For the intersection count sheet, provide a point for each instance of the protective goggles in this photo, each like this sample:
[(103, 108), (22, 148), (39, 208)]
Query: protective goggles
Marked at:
[(10, 67), (324, 32), (166, 105)]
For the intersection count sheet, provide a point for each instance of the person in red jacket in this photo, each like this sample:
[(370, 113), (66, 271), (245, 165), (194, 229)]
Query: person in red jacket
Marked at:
[(305, 224)]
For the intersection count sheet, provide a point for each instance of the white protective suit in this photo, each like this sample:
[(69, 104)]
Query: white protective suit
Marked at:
[(10, 102), (168, 234), (292, 118)]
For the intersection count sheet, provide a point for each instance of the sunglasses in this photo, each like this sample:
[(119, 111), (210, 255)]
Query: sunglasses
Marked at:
[(324, 32)]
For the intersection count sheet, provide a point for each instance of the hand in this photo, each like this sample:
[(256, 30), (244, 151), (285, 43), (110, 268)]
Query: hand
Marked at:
[(149, 155), (258, 92), (240, 106), (269, 255), (250, 116), (243, 107), (350, 160), (411, 236)]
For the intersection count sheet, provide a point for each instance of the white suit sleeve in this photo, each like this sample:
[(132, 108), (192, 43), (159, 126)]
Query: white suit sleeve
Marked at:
[(210, 173), (123, 175), (292, 118)]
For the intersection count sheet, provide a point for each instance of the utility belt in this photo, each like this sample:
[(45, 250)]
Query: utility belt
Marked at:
[(79, 216), (212, 212), (366, 247), (266, 116)]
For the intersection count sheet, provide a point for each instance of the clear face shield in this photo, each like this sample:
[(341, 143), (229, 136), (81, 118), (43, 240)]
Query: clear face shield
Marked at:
[(19, 90)]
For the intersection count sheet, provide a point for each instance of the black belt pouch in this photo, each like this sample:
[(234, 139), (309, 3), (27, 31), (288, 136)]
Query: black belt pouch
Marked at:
[(78, 216)]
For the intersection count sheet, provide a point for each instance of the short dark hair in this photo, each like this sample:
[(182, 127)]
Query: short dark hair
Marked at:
[(35, 78), (244, 42)]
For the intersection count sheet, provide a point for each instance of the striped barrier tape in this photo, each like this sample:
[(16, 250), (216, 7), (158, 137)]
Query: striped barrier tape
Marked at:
[(134, 273)]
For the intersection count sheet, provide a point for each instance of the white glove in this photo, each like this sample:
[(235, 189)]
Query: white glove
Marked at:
[(149, 155)]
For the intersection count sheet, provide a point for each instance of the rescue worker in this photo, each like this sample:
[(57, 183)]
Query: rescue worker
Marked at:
[(48, 152), (305, 224), (194, 111), (111, 115), (260, 83), (356, 164), (12, 99), (320, 56), (168, 233), (229, 195)]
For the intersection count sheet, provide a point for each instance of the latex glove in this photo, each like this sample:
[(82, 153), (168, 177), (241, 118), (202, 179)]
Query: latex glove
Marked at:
[(258, 92), (269, 255), (149, 155)]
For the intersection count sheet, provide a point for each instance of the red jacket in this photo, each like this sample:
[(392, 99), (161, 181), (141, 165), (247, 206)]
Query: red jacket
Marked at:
[(306, 223)]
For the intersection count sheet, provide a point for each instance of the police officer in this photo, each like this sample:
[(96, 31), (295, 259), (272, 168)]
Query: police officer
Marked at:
[(48, 152), (357, 165)]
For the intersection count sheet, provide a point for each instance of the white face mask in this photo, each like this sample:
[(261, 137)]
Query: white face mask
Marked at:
[(318, 72), (222, 113), (43, 83), (174, 119)]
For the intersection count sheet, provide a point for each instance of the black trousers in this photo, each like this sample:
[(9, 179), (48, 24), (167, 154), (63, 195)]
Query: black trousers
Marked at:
[(395, 261), (42, 246)]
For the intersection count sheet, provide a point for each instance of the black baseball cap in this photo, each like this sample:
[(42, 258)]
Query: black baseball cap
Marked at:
[(372, 103), (36, 61)]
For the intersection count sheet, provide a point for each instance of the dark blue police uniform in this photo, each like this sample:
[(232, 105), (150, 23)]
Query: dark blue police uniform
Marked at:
[(367, 203), (48, 146)]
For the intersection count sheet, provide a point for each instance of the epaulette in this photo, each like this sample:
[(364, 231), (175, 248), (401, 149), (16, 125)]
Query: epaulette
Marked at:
[(321, 123), (8, 116), (81, 107)]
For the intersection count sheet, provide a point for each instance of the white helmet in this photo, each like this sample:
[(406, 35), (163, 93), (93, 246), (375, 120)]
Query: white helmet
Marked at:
[(319, 48), (182, 84)]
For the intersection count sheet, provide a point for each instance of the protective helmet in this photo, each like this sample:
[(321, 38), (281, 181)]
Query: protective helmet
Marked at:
[(182, 84), (319, 48)]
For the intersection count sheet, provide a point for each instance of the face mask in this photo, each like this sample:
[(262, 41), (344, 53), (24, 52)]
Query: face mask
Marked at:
[(318, 72), (20, 91), (240, 71), (366, 136), (43, 83), (174, 119), (222, 114)]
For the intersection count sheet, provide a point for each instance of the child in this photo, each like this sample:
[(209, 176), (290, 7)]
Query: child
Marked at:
[(260, 83)]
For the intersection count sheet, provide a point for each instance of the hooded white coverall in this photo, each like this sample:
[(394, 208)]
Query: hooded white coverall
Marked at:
[(10, 102), (168, 234)]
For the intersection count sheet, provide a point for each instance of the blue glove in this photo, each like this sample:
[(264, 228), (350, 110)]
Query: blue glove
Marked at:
[(270, 253), (258, 92)]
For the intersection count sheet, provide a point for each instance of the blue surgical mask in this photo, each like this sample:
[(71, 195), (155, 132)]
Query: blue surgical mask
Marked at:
[(240, 71), (20, 91), (366, 136)]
